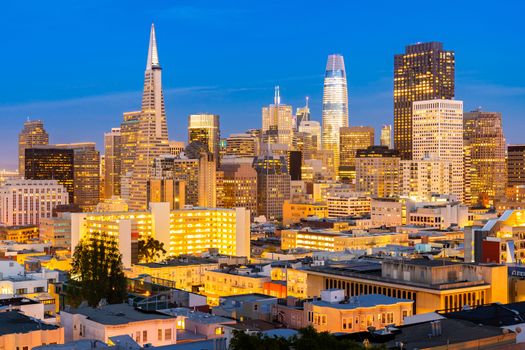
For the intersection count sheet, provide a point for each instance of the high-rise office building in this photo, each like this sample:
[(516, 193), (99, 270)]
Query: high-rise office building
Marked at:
[(313, 128), (152, 138), (86, 160), (129, 129), (242, 145), (205, 128), (76, 166), (335, 106), (515, 165), (167, 190), (483, 135), (180, 169), (377, 171), (386, 136), (438, 134), (273, 185), (424, 72), (112, 163), (351, 139), (207, 180), (302, 114), (239, 182), (26, 202), (51, 163), (33, 134), (277, 122)]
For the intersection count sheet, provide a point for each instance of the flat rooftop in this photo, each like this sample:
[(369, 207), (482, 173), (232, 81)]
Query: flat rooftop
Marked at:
[(13, 322), (249, 297), (453, 331), (197, 316), (367, 300), (186, 261), (116, 314)]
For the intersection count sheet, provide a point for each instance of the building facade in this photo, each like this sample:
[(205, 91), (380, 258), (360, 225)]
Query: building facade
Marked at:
[(437, 127), (377, 171), (112, 163), (26, 202), (273, 185), (352, 138), (33, 134), (483, 135), (205, 128), (152, 135), (425, 71), (277, 122), (335, 106)]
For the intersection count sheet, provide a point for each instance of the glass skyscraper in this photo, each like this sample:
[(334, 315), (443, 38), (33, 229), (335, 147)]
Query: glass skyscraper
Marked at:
[(335, 106)]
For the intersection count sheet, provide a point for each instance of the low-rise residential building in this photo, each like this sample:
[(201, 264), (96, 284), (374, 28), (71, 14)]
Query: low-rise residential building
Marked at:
[(186, 272), (235, 281), (247, 306), (335, 313), (349, 204), (104, 322), (293, 212), (20, 234), (330, 240), (199, 323), (22, 332)]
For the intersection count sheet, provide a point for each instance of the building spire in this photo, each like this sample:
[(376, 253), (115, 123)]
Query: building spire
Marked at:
[(277, 98), (307, 99), (153, 55)]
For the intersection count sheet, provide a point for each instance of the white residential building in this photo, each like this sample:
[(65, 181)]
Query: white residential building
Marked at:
[(25, 202), (437, 132), (422, 178)]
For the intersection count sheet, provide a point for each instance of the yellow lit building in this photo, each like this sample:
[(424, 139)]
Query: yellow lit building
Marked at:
[(431, 284), (352, 138), (187, 231), (294, 212), (243, 280), (333, 314), (20, 234), (187, 272), (330, 240)]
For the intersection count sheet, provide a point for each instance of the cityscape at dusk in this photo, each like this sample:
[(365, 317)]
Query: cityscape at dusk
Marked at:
[(181, 175)]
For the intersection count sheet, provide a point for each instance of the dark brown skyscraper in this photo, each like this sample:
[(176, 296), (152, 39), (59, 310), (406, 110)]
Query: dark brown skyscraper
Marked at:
[(424, 72)]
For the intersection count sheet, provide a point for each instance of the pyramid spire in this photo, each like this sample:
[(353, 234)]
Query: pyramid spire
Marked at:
[(153, 55)]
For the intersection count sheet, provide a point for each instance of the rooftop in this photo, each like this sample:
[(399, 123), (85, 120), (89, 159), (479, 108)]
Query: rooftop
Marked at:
[(116, 314), (453, 331), (493, 315), (367, 300), (185, 261), (15, 322), (248, 297), (197, 316)]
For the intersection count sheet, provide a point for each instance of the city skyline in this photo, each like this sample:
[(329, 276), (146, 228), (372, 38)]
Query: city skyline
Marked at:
[(492, 81)]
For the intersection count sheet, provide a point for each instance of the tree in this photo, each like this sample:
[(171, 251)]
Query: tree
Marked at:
[(307, 339), (150, 250), (242, 340), (97, 272)]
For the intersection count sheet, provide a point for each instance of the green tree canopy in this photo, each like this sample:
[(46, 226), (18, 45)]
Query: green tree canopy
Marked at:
[(150, 250), (308, 339), (97, 272)]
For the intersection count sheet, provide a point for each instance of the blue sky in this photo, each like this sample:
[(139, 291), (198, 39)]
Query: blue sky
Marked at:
[(79, 64)]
